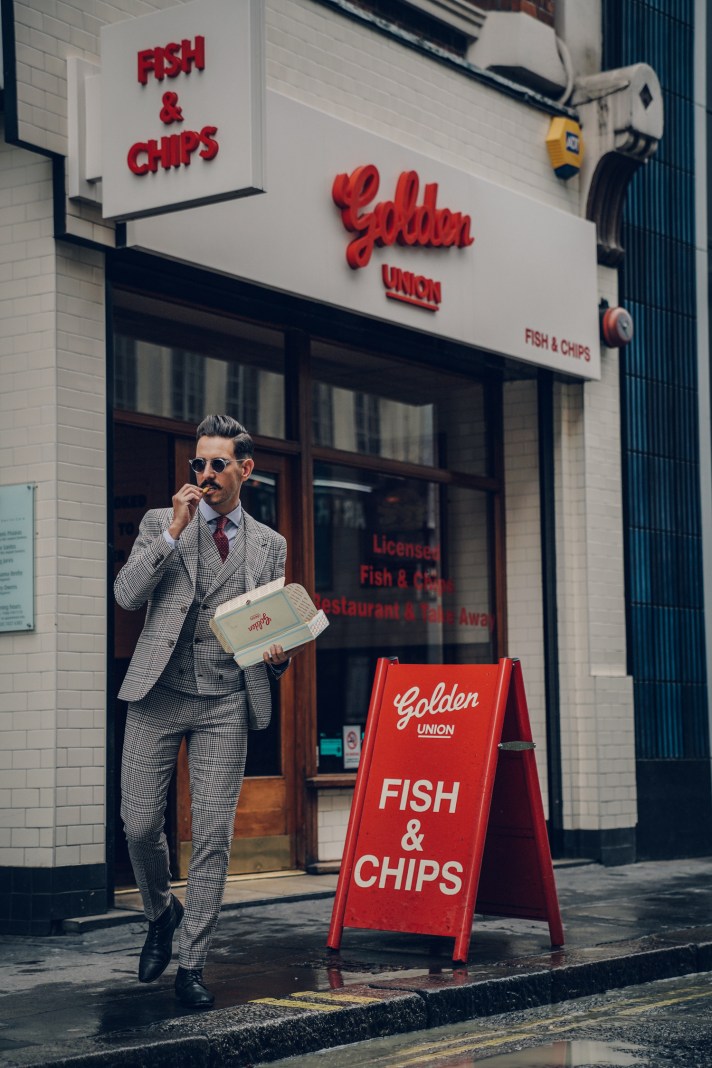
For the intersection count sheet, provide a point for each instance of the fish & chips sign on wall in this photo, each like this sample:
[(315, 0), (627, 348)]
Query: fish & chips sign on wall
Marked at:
[(182, 108), (447, 809)]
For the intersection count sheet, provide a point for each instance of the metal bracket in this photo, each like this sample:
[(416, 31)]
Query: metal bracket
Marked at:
[(516, 747)]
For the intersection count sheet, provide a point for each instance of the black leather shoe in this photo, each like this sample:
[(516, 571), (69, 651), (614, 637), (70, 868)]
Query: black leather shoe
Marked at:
[(190, 990), (158, 947)]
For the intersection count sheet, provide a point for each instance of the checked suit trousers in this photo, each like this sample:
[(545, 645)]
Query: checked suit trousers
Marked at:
[(216, 734), (200, 697)]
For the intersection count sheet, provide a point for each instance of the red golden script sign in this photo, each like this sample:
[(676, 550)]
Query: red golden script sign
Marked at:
[(447, 809), (401, 220)]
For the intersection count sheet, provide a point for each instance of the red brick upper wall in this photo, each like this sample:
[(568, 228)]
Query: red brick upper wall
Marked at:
[(543, 10)]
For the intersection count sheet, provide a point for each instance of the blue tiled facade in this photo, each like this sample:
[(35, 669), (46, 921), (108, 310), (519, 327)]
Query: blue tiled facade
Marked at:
[(660, 446)]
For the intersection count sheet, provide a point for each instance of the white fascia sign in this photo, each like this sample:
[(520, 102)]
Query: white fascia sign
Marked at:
[(368, 225), (182, 108)]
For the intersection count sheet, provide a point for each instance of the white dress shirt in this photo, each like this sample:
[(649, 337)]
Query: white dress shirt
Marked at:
[(234, 518)]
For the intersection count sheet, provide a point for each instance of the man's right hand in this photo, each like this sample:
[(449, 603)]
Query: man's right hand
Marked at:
[(185, 503)]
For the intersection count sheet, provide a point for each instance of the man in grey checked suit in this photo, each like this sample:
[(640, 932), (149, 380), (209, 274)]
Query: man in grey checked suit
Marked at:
[(185, 562)]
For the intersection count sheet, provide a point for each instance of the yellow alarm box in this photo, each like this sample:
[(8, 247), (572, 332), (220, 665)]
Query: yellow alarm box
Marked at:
[(565, 145)]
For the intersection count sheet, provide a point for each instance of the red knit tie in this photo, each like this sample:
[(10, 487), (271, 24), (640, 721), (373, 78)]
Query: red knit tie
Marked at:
[(221, 538)]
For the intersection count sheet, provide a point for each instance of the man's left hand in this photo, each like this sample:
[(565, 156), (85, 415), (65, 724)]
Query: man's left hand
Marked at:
[(276, 656)]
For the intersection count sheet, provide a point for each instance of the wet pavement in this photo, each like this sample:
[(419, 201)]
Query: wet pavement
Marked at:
[(74, 999)]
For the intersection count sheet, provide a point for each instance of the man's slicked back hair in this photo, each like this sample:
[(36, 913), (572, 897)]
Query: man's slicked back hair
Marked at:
[(224, 426)]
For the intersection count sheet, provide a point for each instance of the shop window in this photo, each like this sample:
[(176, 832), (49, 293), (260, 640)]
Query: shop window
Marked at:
[(364, 403), (402, 569), (322, 414), (187, 385), (243, 389), (352, 421), (180, 362), (368, 423), (125, 374)]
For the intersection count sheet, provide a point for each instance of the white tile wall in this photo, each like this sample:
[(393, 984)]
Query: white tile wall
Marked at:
[(525, 622), (27, 454), (598, 742), (333, 818), (52, 721)]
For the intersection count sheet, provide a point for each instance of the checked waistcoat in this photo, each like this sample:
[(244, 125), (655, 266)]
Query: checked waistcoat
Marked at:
[(199, 665), (166, 581)]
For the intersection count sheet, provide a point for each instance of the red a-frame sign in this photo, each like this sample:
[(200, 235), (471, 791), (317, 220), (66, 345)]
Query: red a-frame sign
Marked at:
[(447, 816)]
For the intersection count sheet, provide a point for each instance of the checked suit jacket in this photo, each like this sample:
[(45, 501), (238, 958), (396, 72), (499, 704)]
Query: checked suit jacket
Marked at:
[(164, 578)]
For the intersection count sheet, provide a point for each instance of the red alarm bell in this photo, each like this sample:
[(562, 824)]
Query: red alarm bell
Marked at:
[(616, 327)]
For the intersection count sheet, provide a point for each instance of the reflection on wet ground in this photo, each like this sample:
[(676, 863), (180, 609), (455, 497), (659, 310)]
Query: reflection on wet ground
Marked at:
[(580, 1053)]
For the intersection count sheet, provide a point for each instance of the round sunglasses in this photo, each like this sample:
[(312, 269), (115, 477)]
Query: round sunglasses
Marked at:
[(198, 464)]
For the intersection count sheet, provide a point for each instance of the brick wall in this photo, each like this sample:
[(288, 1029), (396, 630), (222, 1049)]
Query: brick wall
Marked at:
[(543, 10)]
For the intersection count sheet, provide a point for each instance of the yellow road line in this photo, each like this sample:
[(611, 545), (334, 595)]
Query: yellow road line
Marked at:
[(636, 1009), (333, 995), (521, 1030), (294, 1004)]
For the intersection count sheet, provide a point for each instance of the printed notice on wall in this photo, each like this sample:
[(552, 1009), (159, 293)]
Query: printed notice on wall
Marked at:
[(352, 747), (17, 558)]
